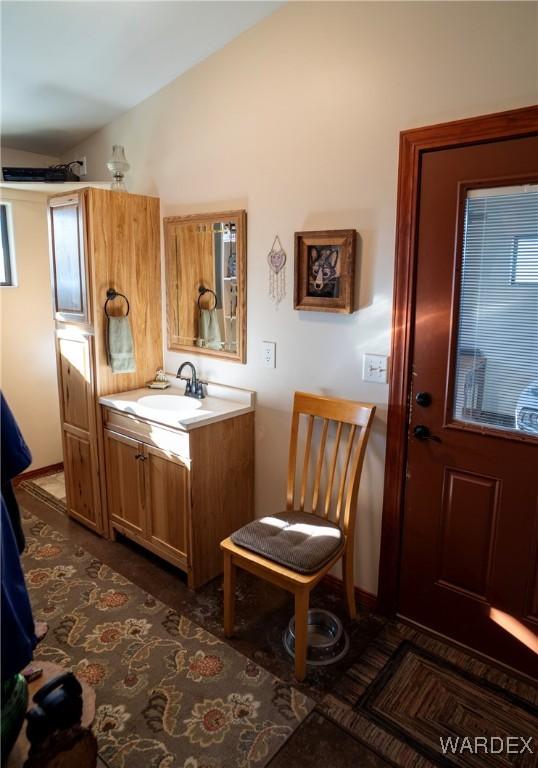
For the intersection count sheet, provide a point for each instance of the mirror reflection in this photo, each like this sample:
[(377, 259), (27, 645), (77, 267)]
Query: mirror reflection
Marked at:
[(205, 271)]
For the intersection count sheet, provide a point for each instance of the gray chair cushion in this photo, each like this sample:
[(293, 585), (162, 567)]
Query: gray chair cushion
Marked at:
[(298, 540)]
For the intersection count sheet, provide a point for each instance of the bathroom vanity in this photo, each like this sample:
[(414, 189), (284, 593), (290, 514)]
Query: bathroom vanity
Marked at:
[(180, 472)]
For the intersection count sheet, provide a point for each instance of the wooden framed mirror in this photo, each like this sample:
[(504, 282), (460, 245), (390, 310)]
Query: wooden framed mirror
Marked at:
[(206, 274)]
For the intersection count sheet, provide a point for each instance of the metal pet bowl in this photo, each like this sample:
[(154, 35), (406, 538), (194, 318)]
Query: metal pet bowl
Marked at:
[(327, 641)]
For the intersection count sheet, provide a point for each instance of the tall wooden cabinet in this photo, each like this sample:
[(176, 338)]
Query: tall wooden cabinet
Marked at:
[(100, 239)]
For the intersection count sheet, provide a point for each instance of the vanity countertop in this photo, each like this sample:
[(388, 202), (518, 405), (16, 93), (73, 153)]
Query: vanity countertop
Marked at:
[(171, 408)]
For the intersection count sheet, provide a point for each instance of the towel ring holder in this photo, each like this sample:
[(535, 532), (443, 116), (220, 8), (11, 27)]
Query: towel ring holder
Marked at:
[(203, 290), (111, 294)]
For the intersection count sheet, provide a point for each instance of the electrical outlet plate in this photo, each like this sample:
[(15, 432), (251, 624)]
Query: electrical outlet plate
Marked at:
[(82, 170), (268, 354), (375, 368)]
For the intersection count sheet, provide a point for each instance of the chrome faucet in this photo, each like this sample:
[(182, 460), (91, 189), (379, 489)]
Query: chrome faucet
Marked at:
[(193, 387)]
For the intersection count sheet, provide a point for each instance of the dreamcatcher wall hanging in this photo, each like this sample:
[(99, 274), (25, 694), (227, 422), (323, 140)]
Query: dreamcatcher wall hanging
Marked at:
[(276, 258)]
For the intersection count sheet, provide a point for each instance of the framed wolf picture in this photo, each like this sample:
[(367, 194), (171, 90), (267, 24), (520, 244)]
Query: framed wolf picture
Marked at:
[(325, 270)]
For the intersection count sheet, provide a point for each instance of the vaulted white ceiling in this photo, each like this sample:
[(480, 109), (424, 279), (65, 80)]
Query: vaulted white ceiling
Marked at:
[(68, 68)]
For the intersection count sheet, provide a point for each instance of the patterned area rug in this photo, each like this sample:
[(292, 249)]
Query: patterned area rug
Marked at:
[(168, 692), (408, 690)]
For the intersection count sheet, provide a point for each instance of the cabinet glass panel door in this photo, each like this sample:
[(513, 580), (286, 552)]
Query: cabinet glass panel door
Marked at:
[(496, 380), (68, 261)]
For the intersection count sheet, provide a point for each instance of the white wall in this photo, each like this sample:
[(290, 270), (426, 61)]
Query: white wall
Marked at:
[(19, 158), (297, 121), (28, 362)]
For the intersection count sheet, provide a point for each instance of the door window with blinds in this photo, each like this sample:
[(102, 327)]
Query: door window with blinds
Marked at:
[(496, 355)]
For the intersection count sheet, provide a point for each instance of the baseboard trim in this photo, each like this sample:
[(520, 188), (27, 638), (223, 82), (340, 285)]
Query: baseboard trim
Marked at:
[(51, 469), (364, 599)]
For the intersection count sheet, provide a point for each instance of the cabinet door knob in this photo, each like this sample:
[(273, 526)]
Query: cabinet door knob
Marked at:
[(140, 457)]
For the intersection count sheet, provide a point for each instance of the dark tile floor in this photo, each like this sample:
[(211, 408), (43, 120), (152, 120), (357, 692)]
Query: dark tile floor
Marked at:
[(320, 742), (262, 613)]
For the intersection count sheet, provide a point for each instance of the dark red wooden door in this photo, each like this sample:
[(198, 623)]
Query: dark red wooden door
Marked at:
[(470, 532)]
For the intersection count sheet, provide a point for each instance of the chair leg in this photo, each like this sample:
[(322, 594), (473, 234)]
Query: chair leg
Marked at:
[(229, 595), (302, 597), (349, 586)]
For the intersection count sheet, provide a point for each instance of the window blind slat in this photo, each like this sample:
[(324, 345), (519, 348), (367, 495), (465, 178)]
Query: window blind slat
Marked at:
[(496, 382)]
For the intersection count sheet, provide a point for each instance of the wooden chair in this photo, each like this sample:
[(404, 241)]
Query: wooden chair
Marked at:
[(337, 508)]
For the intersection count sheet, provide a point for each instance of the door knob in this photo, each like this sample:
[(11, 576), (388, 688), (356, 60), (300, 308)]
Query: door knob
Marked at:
[(424, 399), (422, 432)]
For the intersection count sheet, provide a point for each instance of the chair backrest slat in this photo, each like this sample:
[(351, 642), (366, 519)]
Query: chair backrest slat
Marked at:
[(294, 437), (306, 462), (350, 507), (332, 471), (345, 467), (319, 464), (359, 417)]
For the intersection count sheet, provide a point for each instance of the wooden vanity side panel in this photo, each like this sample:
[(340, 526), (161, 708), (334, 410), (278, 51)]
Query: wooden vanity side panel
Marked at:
[(222, 490), (124, 254)]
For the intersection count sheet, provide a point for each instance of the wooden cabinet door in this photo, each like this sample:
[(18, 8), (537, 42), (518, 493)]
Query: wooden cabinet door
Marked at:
[(168, 504), (125, 483), (75, 377), (81, 492), (68, 259)]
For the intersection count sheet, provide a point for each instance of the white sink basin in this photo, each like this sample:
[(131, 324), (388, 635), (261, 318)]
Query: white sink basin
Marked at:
[(176, 404), (173, 410)]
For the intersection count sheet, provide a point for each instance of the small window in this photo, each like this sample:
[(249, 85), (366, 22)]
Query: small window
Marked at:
[(497, 362), (7, 276), (525, 266)]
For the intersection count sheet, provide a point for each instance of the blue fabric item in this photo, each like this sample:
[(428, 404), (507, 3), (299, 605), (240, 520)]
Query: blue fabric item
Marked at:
[(16, 455), (18, 632)]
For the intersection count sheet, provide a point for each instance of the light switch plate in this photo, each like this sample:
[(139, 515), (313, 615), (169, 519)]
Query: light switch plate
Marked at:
[(375, 368), (268, 354)]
